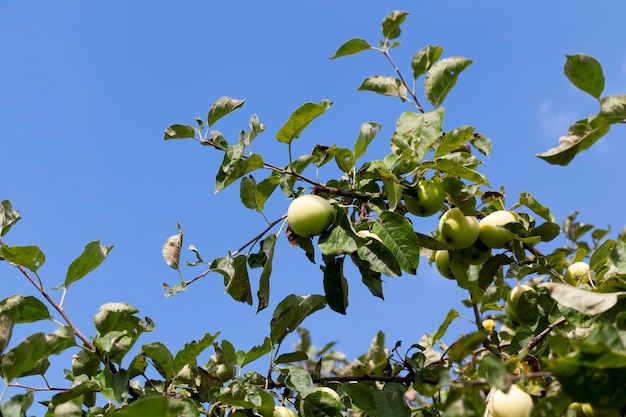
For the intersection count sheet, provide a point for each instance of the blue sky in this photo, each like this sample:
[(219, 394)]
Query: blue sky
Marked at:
[(87, 88)]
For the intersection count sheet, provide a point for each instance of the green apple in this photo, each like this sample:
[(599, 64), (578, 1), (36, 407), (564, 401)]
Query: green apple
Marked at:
[(582, 409), (514, 403), (429, 200), (309, 215), (491, 234), (521, 304), (577, 272), (366, 234), (312, 410), (457, 229), (442, 262), (282, 411), (476, 254)]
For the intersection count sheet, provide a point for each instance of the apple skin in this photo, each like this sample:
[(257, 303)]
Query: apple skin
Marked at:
[(490, 232), (515, 403), (476, 254), (457, 229), (309, 215), (525, 313), (429, 200), (577, 272), (582, 409), (282, 411), (442, 262)]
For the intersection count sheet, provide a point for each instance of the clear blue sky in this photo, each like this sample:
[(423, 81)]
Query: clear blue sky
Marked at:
[(87, 88)]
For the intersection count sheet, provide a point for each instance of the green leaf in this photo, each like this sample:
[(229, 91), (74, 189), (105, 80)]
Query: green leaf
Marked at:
[(602, 254), (390, 400), (424, 59), (17, 405), (27, 356), (585, 72), (297, 379), (443, 327), (114, 385), (465, 345), (584, 301), (335, 284), (344, 158), (392, 22), (8, 217), (300, 119), (580, 136), (291, 357), (235, 273), (222, 107), (385, 85), (93, 255), (380, 258), (162, 358), (454, 139), (189, 353), (352, 47), (231, 173), (263, 293), (361, 397), (153, 406), (613, 109), (451, 167), (248, 193), (291, 311), (481, 143), (529, 201), (115, 316), (397, 233), (30, 257), (391, 188), (177, 131), (24, 309), (367, 133), (318, 403), (257, 352), (442, 76), (416, 133)]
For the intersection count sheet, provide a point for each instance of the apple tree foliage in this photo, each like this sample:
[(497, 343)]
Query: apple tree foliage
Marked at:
[(564, 345)]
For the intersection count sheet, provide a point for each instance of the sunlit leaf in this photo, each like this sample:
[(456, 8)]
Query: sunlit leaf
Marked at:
[(17, 405), (153, 406), (8, 217), (465, 345), (362, 398), (398, 236), (454, 139), (529, 201), (390, 400), (443, 327), (263, 293), (585, 72), (424, 59), (225, 177), (257, 351), (385, 85), (30, 257), (613, 108), (93, 255), (580, 136), (602, 254), (178, 131), (392, 22), (442, 76), (586, 302), (352, 47), (222, 107), (367, 133), (161, 358), (300, 119), (451, 167)]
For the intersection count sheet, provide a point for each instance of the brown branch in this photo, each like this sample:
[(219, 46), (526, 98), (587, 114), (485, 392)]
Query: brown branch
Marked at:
[(535, 340)]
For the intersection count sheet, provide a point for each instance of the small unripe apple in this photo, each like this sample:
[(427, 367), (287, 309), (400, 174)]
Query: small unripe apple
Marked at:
[(366, 234), (282, 411), (442, 262), (429, 200), (582, 409), (309, 215), (457, 229), (514, 403), (491, 234), (476, 254), (521, 304), (577, 272)]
